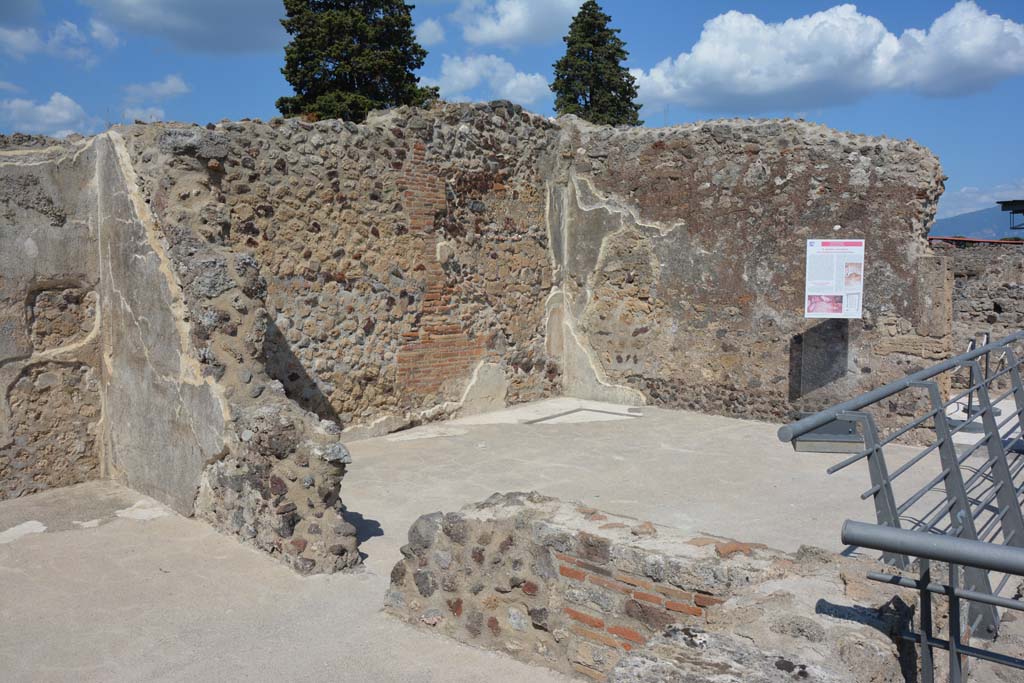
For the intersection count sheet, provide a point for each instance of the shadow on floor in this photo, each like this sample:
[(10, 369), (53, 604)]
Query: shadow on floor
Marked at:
[(365, 528), (892, 619)]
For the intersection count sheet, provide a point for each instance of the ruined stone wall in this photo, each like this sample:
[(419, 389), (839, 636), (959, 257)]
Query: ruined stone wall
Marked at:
[(50, 404), (262, 467), (682, 250), (118, 358), (464, 257), (205, 313), (405, 259), (589, 593), (988, 294), (164, 421)]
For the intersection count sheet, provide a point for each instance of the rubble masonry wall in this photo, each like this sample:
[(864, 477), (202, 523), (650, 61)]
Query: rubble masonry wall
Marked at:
[(989, 290), (593, 594), (683, 262), (207, 313)]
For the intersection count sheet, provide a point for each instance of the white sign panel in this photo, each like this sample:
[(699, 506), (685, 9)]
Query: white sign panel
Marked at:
[(835, 279)]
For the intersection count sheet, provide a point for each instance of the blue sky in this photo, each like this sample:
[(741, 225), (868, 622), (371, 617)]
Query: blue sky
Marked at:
[(949, 75)]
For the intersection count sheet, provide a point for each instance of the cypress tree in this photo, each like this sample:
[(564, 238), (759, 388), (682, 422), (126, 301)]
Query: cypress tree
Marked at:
[(347, 57), (590, 80)]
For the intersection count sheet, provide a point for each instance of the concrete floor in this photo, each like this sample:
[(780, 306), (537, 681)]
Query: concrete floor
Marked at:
[(117, 587), (699, 473)]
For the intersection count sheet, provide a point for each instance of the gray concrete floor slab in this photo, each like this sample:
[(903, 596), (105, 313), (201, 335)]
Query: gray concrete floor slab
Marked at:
[(118, 588), (151, 596), (699, 473)]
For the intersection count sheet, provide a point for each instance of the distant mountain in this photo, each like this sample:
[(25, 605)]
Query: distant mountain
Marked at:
[(987, 224)]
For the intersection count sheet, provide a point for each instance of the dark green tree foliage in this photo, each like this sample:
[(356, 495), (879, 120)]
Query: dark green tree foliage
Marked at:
[(347, 57), (590, 80)]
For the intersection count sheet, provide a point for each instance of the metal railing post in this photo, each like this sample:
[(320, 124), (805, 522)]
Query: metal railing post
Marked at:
[(956, 553), (1006, 494), (955, 670), (970, 397), (1018, 389), (988, 354), (925, 640), (960, 514), (885, 502)]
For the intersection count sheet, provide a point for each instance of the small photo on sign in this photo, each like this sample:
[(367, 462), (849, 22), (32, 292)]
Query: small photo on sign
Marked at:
[(825, 303), (854, 276)]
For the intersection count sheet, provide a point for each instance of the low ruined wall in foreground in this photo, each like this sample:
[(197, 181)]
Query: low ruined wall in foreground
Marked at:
[(585, 592)]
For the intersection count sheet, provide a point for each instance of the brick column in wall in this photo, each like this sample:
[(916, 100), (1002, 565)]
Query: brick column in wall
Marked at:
[(439, 349)]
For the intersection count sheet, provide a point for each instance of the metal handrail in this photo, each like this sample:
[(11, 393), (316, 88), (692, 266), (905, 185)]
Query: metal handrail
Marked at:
[(981, 498), (811, 422), (998, 558), (956, 553)]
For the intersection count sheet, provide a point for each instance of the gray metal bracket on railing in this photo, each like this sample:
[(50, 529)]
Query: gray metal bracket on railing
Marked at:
[(881, 484)]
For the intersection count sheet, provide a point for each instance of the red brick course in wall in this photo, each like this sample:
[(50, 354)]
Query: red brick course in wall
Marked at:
[(651, 606), (439, 349), (525, 579)]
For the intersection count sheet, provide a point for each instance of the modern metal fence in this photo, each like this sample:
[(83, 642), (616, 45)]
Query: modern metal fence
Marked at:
[(955, 552), (972, 462)]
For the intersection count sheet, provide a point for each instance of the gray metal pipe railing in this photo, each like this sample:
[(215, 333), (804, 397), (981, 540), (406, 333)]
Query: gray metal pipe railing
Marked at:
[(999, 558), (939, 589), (800, 427)]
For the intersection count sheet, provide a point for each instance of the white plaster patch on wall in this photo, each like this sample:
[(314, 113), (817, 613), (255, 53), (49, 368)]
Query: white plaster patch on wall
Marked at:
[(31, 249), (486, 390), (583, 375), (144, 510), (584, 188), (385, 424), (24, 529)]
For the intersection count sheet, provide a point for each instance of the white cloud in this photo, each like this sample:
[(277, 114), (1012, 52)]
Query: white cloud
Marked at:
[(430, 32), (170, 86), (965, 50), (200, 25), (459, 75), (103, 34), (835, 56), (59, 115), (18, 42), (512, 22), (10, 87), (65, 41), (966, 199), (139, 98), (148, 114)]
